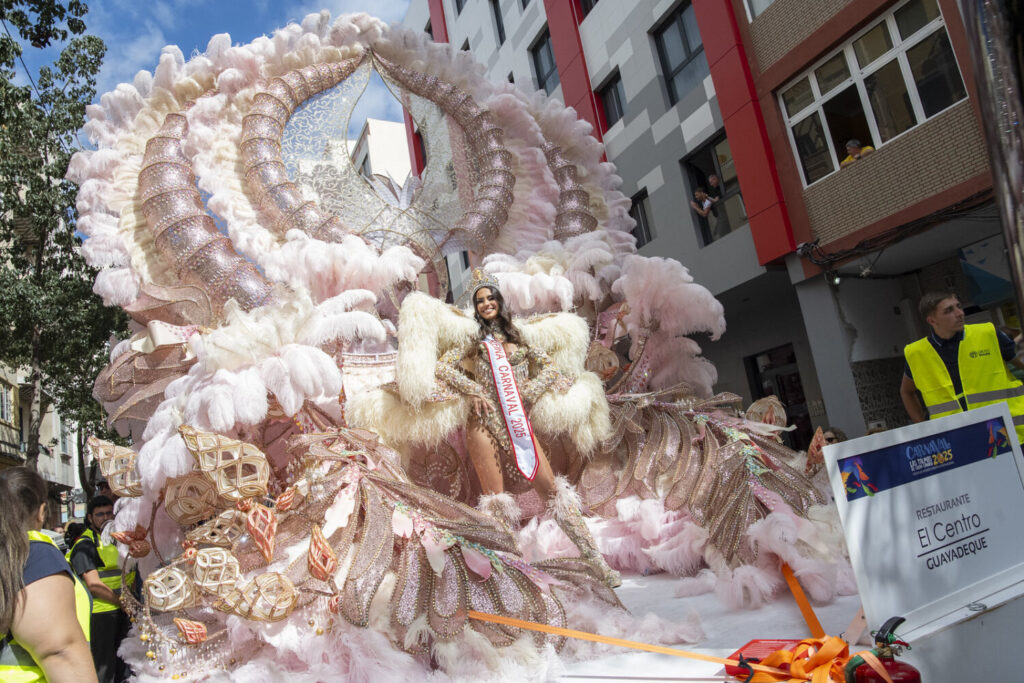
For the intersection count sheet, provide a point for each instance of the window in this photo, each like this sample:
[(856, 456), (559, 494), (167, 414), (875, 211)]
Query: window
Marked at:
[(465, 45), (544, 63), (755, 7), (365, 168), (511, 78), (639, 211), (459, 5), (525, 3), (7, 403), (613, 99), (429, 30), (64, 437), (711, 167), (682, 53), (499, 25), (586, 6), (894, 75)]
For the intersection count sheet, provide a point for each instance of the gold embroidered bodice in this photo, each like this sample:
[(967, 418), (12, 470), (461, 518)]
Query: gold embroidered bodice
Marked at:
[(469, 373)]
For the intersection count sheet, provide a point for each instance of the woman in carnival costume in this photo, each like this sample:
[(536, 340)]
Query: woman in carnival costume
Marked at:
[(505, 376)]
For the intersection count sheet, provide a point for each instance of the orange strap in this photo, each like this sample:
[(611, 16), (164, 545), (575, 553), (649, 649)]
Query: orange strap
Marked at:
[(819, 660), (875, 663), (803, 603), (592, 637)]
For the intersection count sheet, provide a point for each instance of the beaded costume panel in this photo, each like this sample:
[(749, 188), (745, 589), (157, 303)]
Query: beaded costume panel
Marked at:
[(469, 374)]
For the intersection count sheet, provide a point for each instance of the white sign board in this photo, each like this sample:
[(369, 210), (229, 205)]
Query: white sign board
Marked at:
[(932, 514)]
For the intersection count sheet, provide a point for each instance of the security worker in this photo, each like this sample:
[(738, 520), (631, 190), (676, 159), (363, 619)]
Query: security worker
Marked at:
[(958, 367), (96, 562)]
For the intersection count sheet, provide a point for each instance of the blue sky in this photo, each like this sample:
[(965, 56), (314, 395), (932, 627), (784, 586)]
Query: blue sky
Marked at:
[(136, 30)]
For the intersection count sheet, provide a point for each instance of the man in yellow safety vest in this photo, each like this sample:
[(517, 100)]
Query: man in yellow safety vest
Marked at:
[(958, 367), (96, 562)]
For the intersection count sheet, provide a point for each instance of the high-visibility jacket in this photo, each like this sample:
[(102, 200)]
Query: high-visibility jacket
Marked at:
[(16, 664), (984, 378), (109, 573)]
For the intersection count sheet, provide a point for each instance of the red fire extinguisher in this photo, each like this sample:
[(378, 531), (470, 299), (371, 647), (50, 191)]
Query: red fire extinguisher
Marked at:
[(887, 646)]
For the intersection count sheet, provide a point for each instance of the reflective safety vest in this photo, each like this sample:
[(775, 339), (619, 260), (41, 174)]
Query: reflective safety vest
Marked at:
[(109, 573), (16, 664), (984, 377)]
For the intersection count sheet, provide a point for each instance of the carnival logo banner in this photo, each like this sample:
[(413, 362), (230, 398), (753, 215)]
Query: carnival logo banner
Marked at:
[(870, 473)]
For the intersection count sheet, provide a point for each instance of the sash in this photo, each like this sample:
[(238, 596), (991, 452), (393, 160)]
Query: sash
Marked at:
[(517, 424)]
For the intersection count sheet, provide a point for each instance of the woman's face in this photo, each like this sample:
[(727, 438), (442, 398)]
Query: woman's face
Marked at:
[(486, 303)]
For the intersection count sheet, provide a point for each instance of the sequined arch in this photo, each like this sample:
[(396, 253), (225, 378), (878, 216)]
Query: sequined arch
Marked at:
[(185, 233), (263, 127)]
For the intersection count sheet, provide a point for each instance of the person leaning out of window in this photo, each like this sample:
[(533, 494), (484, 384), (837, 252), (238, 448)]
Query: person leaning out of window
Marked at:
[(701, 203), (44, 609), (855, 151)]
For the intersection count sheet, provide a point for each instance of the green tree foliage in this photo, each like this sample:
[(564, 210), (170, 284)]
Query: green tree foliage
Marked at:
[(51, 323)]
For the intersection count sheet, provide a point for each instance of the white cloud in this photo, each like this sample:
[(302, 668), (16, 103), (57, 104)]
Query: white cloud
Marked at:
[(164, 14), (389, 11), (125, 59)]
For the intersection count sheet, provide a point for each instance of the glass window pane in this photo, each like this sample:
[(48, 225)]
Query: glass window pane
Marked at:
[(723, 155), (620, 95), (545, 60), (758, 6), (935, 73), (691, 76), (846, 120), (812, 148), (914, 15), (798, 97), (612, 99), (672, 48), (733, 211), (887, 93), (693, 40), (832, 73), (552, 81), (872, 44)]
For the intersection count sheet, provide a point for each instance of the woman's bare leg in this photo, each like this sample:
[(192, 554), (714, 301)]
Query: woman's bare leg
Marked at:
[(484, 458)]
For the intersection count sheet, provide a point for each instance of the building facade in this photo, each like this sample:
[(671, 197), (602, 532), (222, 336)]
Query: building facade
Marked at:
[(58, 444), (753, 101)]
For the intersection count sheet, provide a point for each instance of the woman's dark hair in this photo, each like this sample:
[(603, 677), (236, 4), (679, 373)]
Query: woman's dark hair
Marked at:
[(503, 321), (22, 491), (71, 534)]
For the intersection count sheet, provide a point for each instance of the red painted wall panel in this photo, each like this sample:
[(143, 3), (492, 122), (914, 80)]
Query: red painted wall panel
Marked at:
[(439, 28), (438, 24), (745, 128), (563, 24)]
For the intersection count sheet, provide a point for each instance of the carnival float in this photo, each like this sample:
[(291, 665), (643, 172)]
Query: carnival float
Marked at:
[(327, 477)]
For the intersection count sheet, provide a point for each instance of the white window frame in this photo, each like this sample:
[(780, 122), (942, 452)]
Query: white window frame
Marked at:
[(6, 403), (750, 11), (857, 75)]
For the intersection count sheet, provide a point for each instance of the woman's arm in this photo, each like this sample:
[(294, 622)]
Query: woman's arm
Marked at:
[(449, 371), (545, 374), (46, 625)]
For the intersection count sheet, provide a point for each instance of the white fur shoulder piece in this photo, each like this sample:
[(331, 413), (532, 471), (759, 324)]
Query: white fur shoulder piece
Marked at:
[(427, 328), (563, 336)]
